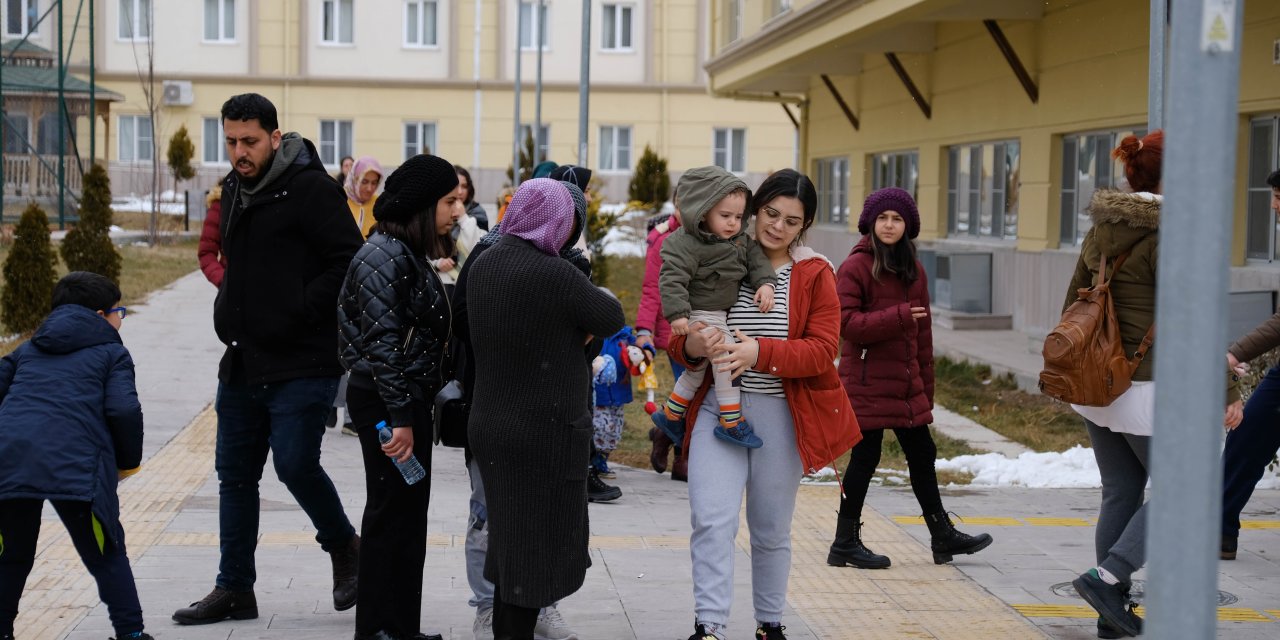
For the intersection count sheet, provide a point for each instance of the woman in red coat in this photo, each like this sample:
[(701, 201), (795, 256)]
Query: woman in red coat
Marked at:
[(886, 365), (784, 360), (212, 261)]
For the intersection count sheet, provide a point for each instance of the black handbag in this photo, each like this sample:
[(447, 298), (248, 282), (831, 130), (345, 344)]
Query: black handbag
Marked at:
[(451, 415)]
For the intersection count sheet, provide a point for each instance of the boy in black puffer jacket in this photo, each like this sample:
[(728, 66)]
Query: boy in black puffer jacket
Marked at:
[(72, 429)]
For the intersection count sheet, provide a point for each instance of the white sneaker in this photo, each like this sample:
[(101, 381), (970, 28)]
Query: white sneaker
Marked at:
[(482, 628), (551, 626)]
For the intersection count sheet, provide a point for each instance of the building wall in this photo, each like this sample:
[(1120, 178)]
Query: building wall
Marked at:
[(658, 88), (1089, 60)]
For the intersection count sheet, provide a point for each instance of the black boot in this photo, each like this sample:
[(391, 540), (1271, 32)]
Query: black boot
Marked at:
[(346, 565), (1229, 545), (598, 491), (219, 605), (946, 541), (849, 550)]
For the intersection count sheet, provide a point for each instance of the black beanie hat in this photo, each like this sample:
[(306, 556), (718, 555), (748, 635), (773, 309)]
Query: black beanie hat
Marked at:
[(414, 187), (579, 176)]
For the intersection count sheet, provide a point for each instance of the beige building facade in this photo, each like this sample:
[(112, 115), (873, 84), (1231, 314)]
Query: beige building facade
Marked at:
[(390, 78), (1002, 160)]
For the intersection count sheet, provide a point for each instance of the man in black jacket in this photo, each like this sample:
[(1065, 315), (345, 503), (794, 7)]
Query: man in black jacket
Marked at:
[(288, 238)]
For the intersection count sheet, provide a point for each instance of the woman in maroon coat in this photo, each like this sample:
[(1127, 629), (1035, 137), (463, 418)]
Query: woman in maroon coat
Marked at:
[(886, 365)]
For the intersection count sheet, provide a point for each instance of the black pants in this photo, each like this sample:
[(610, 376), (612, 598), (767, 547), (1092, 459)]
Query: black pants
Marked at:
[(108, 563), (917, 444), (393, 533), (512, 622)]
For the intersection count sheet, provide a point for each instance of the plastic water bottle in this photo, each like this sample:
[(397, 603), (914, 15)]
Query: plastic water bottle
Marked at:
[(411, 469)]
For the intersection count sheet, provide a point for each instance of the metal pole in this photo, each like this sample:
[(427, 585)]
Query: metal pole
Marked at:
[(62, 127), (475, 75), (537, 103), (1185, 509), (93, 97), (1155, 64), (584, 80), (515, 150)]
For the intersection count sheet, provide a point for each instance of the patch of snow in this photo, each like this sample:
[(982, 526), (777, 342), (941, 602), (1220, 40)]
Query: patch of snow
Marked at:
[(142, 204)]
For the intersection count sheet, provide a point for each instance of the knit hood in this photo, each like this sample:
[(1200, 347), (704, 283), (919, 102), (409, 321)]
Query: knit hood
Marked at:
[(1121, 219), (293, 150), (701, 189)]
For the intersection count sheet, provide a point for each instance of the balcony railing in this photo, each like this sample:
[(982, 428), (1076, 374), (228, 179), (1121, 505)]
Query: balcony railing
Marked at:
[(36, 176)]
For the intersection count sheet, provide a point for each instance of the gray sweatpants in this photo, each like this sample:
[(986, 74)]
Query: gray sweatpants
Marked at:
[(1120, 538), (719, 472)]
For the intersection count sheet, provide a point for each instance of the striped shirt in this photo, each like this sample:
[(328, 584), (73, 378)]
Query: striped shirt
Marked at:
[(746, 317)]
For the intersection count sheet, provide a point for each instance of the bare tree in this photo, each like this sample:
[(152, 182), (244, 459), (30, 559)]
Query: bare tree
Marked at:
[(142, 27)]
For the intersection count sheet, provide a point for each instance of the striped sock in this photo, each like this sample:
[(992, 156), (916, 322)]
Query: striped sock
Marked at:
[(730, 415), (676, 407)]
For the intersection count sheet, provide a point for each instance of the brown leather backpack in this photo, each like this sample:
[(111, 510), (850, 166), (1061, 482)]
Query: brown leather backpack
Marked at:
[(1084, 358)]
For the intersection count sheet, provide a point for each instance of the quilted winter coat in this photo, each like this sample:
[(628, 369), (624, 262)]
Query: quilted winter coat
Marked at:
[(886, 360), (394, 325)]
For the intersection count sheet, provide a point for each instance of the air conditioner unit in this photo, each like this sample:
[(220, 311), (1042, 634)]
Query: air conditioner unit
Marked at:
[(178, 93), (963, 282)]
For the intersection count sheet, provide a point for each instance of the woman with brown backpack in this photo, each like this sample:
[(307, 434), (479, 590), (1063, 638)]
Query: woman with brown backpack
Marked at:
[(1125, 225)]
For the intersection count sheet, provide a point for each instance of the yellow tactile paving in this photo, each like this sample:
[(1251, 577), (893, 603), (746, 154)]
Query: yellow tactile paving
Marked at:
[(916, 599), (1260, 524), (992, 521), (1275, 613), (1058, 522), (59, 591), (1225, 614)]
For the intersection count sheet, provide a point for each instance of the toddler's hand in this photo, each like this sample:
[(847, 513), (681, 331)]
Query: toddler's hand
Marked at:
[(680, 326), (764, 298)]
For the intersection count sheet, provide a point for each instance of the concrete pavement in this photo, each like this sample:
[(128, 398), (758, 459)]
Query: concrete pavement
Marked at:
[(639, 586)]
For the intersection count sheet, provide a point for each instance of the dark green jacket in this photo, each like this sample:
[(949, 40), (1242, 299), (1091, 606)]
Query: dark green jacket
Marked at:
[(701, 271), (1126, 222)]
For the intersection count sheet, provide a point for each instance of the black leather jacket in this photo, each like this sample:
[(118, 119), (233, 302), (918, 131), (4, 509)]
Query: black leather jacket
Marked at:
[(394, 325)]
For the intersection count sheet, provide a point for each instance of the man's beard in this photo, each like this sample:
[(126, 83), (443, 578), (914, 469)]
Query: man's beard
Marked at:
[(262, 170)]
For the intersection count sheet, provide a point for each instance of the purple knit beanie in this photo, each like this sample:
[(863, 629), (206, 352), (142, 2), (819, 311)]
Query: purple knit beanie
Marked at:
[(890, 199), (542, 213)]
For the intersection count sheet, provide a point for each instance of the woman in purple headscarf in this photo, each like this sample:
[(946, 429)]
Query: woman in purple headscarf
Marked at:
[(362, 191), (530, 429)]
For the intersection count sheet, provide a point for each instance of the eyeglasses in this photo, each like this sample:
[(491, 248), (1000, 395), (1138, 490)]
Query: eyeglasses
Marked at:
[(123, 311), (772, 215)]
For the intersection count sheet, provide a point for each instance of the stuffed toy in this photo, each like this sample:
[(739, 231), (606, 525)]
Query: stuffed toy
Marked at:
[(642, 368)]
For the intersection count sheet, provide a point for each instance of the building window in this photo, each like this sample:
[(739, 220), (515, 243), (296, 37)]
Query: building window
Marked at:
[(1264, 157), (47, 135), (897, 169), (533, 22), (1086, 167), (544, 149), (215, 145), (833, 190), (615, 148), (982, 190), (17, 132), (134, 21), (135, 139), (420, 20), (21, 17), (337, 21), (733, 19), (729, 150), (335, 141), (220, 20), (616, 33), (780, 6), (419, 137)]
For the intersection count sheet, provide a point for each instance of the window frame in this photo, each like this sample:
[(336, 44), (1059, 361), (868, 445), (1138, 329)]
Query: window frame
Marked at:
[(337, 40), (418, 126), (729, 149), (824, 169), (734, 20), (337, 151), (28, 24), (14, 116), (614, 165), (221, 24), (545, 150), (980, 197), (134, 24), (1260, 190), (120, 139), (218, 143), (1070, 233), (909, 157), (435, 34), (616, 28), (539, 23)]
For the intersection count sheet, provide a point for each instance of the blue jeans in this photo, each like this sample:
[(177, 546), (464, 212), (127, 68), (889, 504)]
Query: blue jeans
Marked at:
[(286, 418), (1250, 447)]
